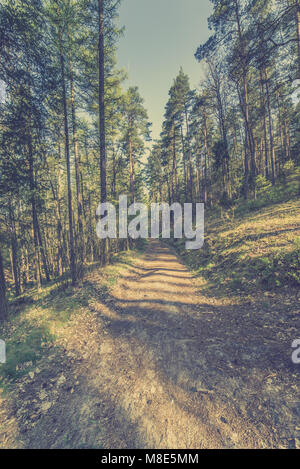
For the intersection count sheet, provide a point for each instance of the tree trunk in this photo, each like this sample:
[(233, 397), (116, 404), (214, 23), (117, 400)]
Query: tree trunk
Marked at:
[(14, 251), (205, 161), (264, 123), (80, 235), (59, 228), (114, 173), (42, 250), (251, 143), (184, 163), (287, 140), (102, 103), (24, 267), (298, 34), (175, 166), (3, 301), (37, 257), (249, 140), (104, 244), (131, 171), (67, 152), (191, 183), (272, 149)]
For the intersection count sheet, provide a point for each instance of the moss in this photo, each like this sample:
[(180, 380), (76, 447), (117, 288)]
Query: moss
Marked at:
[(22, 353)]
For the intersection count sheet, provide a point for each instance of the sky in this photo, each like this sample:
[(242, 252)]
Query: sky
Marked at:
[(160, 37)]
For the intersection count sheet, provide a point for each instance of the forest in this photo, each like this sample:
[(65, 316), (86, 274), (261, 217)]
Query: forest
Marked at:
[(239, 132), (60, 156), (73, 135)]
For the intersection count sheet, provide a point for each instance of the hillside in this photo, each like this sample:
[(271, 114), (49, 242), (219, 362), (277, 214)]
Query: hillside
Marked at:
[(253, 249), (145, 354)]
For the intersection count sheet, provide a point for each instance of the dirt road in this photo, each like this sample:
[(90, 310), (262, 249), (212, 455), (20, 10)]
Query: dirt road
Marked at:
[(159, 366)]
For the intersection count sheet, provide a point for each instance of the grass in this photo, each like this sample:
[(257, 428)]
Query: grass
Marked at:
[(39, 318), (287, 188), (253, 247)]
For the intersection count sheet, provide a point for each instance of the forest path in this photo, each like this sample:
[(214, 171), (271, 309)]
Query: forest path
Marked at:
[(160, 361), (160, 367)]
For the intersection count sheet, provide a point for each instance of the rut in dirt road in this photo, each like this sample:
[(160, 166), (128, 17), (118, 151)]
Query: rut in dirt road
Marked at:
[(167, 368)]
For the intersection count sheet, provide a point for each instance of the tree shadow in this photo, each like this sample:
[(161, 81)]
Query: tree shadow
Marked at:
[(215, 370)]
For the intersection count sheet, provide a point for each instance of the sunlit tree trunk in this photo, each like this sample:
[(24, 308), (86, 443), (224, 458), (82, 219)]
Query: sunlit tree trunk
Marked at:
[(67, 152), (191, 176), (184, 163)]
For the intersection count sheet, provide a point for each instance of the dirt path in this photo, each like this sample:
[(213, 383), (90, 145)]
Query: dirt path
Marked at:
[(159, 366)]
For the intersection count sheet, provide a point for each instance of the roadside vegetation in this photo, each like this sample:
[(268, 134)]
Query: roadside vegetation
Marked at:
[(40, 319), (252, 247)]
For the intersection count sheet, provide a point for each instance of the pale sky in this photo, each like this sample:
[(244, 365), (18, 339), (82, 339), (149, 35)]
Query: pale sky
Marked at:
[(160, 37)]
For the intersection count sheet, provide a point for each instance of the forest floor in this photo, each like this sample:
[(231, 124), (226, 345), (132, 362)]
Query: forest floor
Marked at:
[(147, 360)]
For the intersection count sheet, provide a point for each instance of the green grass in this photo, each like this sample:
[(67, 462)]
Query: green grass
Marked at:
[(287, 188), (23, 352)]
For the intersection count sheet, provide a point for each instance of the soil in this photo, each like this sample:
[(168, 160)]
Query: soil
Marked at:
[(154, 364)]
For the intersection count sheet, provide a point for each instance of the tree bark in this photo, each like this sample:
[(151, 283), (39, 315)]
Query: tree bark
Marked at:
[(184, 163), (131, 171), (264, 124), (67, 152), (37, 257), (102, 103), (175, 165), (80, 234), (272, 149), (298, 34), (249, 140), (14, 251), (205, 160), (104, 243), (3, 301), (191, 182)]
